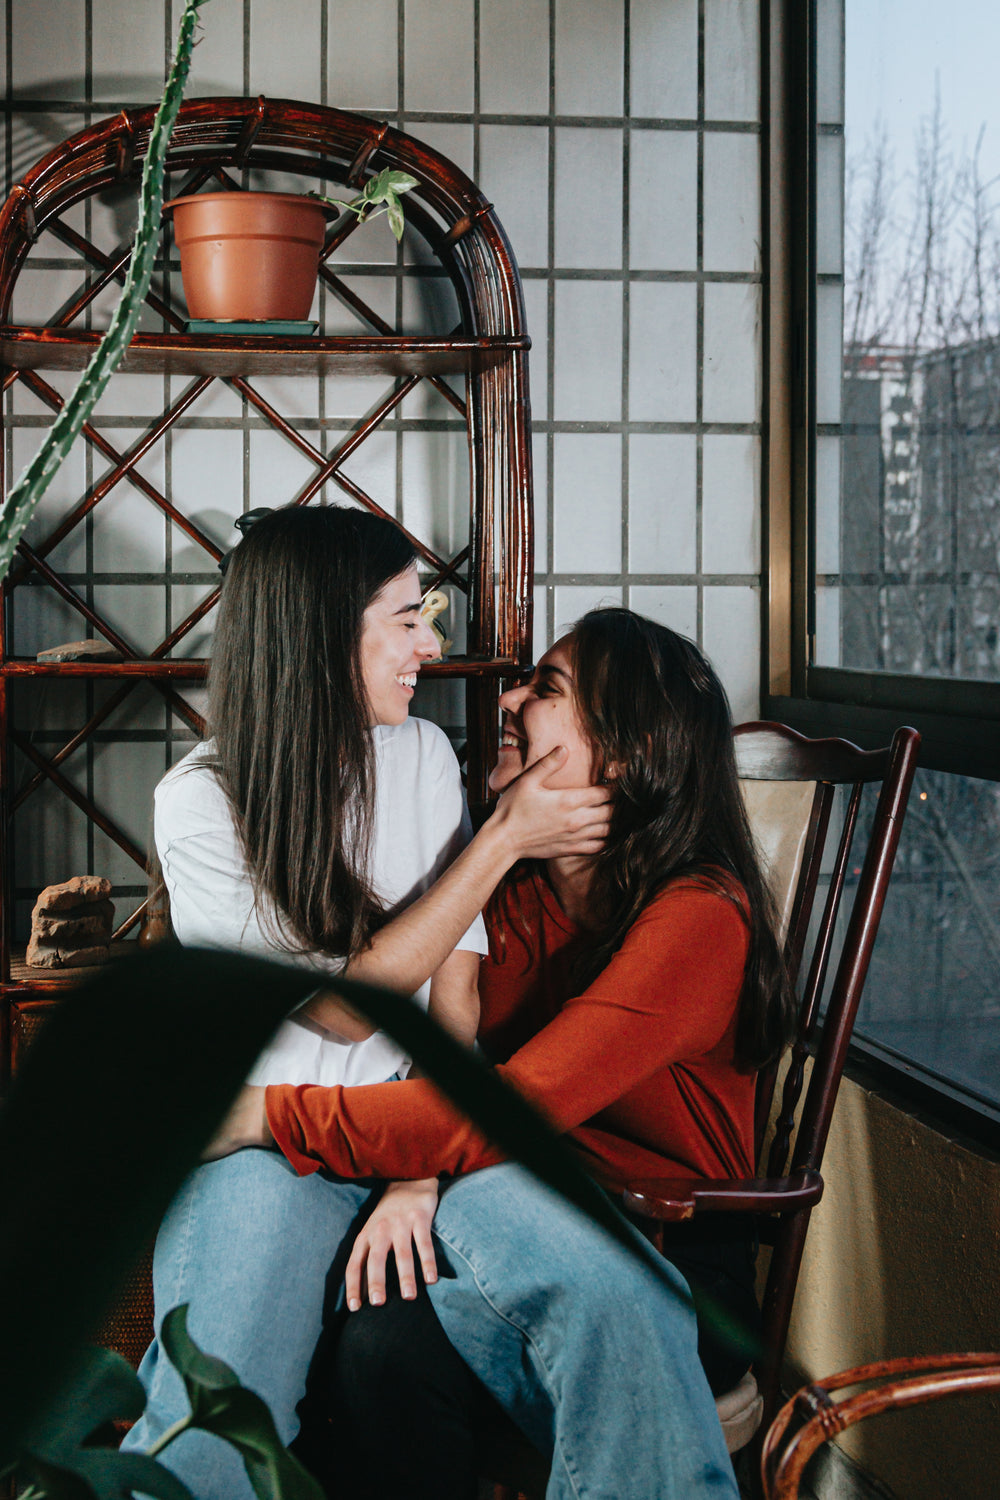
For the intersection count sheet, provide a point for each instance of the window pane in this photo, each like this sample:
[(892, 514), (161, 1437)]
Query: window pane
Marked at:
[(908, 542), (933, 991)]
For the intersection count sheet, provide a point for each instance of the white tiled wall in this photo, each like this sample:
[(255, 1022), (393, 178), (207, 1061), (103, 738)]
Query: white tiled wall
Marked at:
[(619, 140)]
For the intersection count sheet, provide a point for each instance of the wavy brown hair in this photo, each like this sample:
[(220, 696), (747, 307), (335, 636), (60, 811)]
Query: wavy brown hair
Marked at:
[(290, 718), (658, 720)]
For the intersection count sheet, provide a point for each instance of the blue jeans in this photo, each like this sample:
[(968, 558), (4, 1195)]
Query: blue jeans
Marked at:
[(581, 1344), (248, 1244)]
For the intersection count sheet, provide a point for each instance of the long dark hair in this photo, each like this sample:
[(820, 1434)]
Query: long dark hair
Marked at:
[(659, 721), (290, 717)]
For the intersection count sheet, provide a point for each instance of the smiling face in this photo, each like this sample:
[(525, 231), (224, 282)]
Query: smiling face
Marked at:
[(540, 715), (395, 641)]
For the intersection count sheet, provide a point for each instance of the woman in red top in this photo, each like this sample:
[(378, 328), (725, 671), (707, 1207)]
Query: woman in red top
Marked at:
[(631, 995)]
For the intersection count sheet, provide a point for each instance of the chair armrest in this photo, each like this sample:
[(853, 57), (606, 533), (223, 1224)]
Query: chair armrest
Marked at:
[(675, 1198)]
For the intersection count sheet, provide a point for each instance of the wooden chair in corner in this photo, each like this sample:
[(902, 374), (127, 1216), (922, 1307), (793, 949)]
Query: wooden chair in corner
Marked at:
[(812, 1416), (791, 790)]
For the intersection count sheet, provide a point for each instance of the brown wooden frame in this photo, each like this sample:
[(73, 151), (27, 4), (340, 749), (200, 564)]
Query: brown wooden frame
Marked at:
[(811, 1418), (784, 1195), (215, 142)]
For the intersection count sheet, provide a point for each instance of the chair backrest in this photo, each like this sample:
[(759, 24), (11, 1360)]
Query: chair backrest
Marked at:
[(791, 791), (790, 785)]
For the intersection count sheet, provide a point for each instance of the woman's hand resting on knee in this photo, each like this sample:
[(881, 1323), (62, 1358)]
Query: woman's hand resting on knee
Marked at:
[(401, 1220), (245, 1125)]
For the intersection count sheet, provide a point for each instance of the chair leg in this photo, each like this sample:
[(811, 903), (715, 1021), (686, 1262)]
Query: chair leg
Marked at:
[(777, 1311), (747, 1465)]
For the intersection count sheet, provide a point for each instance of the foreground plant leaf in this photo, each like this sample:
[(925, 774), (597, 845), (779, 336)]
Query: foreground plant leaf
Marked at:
[(220, 1404), (100, 1388), (128, 1080), (108, 1112)]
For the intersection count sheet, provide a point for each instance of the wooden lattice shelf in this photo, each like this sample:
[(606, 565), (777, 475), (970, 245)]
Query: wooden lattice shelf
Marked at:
[(216, 143), (230, 354), (193, 670)]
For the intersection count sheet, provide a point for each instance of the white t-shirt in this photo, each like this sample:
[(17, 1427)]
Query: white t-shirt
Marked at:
[(421, 824)]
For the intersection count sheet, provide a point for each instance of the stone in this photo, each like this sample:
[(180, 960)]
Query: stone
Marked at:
[(71, 924), (81, 651), (91, 919), (71, 893), (49, 955)]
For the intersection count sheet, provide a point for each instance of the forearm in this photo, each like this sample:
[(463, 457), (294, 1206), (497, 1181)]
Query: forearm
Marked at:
[(408, 950), (335, 1017), (454, 998), (394, 1130), (531, 821)]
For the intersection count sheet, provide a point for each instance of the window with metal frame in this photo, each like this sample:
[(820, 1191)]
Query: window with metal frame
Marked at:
[(883, 525)]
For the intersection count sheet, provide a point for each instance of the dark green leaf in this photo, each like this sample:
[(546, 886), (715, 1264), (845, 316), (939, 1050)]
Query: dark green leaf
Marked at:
[(109, 1111), (111, 1475), (221, 1405), (503, 1115), (51, 1481), (100, 1387), (197, 1369)]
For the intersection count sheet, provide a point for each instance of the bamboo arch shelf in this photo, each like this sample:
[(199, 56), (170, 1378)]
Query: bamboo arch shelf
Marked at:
[(219, 143), (222, 355), (192, 669)]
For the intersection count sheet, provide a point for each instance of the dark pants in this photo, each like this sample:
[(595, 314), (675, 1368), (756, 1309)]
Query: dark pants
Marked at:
[(404, 1418), (393, 1409)]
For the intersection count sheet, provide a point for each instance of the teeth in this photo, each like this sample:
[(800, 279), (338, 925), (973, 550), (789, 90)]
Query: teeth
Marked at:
[(510, 740), (408, 679)]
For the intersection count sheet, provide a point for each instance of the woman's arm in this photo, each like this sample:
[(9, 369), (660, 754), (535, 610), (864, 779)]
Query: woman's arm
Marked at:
[(401, 1221), (334, 1016), (454, 1001), (531, 821), (667, 995)]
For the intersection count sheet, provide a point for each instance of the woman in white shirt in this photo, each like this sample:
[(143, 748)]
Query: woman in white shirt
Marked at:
[(319, 824)]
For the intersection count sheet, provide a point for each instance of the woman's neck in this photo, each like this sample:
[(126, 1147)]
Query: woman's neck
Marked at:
[(571, 879)]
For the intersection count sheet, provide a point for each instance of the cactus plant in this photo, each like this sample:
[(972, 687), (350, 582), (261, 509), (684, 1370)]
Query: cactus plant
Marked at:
[(29, 489)]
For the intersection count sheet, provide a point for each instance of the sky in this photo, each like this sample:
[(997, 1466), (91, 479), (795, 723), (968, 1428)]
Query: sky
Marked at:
[(895, 49)]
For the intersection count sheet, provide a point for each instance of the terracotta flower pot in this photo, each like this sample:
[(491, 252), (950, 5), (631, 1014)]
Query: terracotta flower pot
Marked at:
[(249, 256)]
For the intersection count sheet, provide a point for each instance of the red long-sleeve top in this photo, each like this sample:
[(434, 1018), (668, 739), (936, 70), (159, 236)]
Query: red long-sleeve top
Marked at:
[(637, 1069)]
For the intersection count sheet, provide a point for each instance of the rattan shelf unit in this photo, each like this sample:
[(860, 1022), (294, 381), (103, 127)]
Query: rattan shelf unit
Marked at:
[(228, 143)]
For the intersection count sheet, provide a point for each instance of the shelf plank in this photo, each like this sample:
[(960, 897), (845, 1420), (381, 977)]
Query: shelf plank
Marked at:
[(24, 978), (193, 669), (231, 354)]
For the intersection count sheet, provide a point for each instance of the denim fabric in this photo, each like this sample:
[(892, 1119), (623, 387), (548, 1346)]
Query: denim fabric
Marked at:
[(581, 1344), (248, 1244)]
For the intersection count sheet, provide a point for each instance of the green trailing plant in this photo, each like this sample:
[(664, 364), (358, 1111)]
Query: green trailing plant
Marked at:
[(29, 489), (380, 195)]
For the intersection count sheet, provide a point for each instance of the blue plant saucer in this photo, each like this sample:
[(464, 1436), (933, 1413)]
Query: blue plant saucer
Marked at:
[(287, 328)]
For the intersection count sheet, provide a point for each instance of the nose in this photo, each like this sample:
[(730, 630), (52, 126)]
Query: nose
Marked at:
[(513, 698), (426, 645)]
